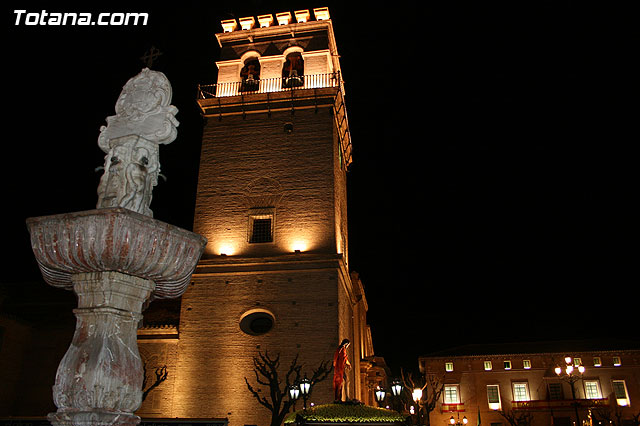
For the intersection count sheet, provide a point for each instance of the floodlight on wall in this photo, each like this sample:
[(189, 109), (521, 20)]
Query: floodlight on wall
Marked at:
[(229, 25)]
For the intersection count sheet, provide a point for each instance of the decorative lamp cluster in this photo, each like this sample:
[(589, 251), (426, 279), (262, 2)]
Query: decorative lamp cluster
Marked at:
[(302, 388)]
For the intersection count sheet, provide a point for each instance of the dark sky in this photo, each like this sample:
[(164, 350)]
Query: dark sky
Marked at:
[(492, 193)]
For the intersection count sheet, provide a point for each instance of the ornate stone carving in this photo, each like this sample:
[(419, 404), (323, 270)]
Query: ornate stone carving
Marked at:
[(143, 109), (144, 119), (115, 239), (116, 259)]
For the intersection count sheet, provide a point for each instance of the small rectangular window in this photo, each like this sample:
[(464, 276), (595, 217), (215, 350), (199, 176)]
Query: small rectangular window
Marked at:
[(597, 362), (488, 366), (507, 365), (526, 364), (448, 366), (617, 362), (577, 362), (261, 225)]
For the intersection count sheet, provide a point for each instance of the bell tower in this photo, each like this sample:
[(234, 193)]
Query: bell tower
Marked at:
[(272, 202), (276, 145)]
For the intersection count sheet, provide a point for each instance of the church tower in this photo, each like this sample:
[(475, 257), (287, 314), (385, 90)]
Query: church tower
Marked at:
[(272, 202)]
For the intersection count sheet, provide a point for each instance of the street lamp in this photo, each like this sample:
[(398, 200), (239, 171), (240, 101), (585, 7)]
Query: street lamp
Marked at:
[(417, 395), (396, 387), (380, 394), (452, 421), (305, 389), (294, 392), (570, 376)]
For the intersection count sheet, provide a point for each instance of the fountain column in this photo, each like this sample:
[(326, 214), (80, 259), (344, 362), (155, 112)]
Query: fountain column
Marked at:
[(116, 258)]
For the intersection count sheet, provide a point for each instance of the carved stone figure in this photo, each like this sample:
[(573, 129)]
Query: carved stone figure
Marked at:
[(340, 364), (144, 119), (130, 172), (143, 109)]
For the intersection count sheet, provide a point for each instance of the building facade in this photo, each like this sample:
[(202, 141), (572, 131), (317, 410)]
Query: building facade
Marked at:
[(272, 202), (541, 384)]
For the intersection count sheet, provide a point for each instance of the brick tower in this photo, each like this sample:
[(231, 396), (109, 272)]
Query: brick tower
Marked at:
[(272, 203)]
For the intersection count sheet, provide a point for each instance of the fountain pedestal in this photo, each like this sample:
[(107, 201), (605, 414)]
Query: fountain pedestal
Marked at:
[(116, 261)]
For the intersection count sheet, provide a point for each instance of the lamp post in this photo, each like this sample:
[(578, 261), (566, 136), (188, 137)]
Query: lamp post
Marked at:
[(305, 390), (294, 393), (571, 376), (396, 391), (380, 394), (396, 387)]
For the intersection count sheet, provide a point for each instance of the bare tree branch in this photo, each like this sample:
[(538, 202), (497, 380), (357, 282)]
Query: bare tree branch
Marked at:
[(161, 376), (266, 374)]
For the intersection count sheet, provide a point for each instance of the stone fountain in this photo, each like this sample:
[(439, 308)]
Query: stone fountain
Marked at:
[(116, 258)]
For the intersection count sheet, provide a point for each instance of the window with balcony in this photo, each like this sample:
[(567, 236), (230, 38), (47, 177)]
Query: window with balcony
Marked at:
[(521, 391), (592, 389), (555, 391), (451, 394)]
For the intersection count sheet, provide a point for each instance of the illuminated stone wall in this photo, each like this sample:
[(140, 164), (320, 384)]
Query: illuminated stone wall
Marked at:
[(254, 162)]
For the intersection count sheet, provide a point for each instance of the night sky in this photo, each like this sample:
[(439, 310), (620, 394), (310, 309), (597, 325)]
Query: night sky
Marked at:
[(493, 188)]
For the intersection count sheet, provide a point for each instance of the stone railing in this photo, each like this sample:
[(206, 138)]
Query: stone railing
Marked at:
[(267, 85)]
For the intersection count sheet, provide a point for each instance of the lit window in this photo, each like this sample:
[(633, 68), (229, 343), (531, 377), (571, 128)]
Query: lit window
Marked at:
[(507, 365), (617, 361), (526, 364), (493, 397), (620, 390), (448, 366), (488, 366), (577, 362), (597, 362), (451, 394), (592, 389), (521, 391), (261, 225)]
